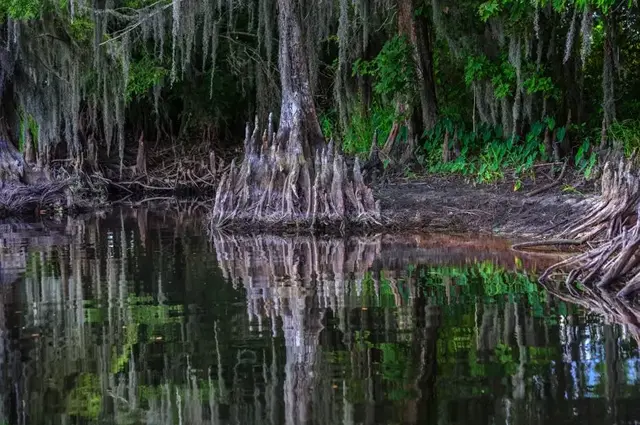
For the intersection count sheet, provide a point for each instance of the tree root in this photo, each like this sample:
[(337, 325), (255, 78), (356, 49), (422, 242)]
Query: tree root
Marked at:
[(620, 187), (58, 195), (276, 185), (551, 242), (169, 170), (551, 185), (612, 228)]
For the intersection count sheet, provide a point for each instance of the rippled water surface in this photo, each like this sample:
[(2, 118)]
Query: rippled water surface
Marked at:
[(136, 318)]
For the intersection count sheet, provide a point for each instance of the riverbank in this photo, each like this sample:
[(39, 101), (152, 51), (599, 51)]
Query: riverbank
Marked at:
[(439, 203), (426, 204)]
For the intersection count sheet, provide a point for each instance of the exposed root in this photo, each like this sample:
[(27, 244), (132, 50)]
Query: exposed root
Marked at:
[(19, 199), (277, 185), (615, 208), (551, 185), (612, 229), (167, 171), (24, 189), (53, 196), (551, 242)]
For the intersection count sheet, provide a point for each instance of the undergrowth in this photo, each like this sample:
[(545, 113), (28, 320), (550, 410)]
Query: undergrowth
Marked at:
[(484, 155), (487, 157), (357, 138)]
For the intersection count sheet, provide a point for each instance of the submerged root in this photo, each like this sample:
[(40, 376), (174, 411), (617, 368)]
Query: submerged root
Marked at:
[(277, 185), (612, 229)]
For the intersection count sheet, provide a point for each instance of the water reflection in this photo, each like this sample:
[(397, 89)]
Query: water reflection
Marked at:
[(139, 318)]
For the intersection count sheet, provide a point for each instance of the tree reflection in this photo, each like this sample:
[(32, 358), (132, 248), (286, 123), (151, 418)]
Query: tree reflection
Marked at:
[(139, 318)]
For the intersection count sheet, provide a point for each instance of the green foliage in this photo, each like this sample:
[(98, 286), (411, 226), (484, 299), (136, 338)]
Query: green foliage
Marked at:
[(485, 154), (23, 10), (85, 400), (358, 136), (139, 4), (586, 159), (328, 124), (537, 83), (144, 74), (521, 8), (82, 29), (392, 69), (477, 68), (502, 75), (27, 123), (505, 356), (626, 135), (504, 79), (393, 75)]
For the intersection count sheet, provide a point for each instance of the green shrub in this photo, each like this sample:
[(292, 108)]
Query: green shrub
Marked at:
[(485, 154)]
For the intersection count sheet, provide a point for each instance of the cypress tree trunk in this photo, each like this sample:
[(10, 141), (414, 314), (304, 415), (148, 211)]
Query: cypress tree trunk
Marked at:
[(297, 111), (608, 98), (292, 176), (418, 32), (12, 164)]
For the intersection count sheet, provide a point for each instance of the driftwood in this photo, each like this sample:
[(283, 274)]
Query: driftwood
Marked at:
[(168, 170), (551, 185), (612, 229)]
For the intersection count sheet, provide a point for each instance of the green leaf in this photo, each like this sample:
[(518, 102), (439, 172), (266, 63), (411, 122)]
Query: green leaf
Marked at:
[(551, 123)]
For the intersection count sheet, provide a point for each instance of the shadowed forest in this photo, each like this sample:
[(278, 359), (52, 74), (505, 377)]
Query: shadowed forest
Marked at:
[(160, 89)]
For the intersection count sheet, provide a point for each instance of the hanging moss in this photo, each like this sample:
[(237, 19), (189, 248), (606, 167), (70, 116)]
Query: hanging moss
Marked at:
[(586, 33), (570, 36)]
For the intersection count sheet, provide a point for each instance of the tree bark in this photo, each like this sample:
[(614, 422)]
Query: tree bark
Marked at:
[(608, 97), (11, 163), (29, 153), (418, 31), (297, 107), (292, 176), (141, 159)]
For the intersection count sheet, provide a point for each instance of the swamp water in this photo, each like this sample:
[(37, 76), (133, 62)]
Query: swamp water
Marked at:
[(135, 318)]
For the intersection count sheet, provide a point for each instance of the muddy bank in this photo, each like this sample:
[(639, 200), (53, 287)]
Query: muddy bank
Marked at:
[(451, 204), (432, 204)]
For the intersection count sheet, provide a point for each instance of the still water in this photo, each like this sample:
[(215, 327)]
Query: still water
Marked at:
[(140, 318)]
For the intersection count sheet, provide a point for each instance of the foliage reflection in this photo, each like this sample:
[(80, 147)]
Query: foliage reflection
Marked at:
[(140, 319)]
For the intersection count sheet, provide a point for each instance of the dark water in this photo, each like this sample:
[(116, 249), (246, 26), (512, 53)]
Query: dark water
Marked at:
[(135, 318)]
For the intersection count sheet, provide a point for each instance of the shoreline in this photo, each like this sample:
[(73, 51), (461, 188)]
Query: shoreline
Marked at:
[(451, 204), (431, 204)]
